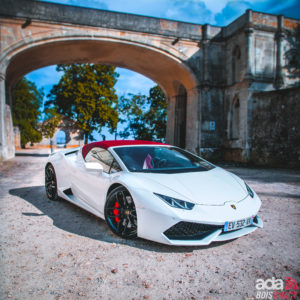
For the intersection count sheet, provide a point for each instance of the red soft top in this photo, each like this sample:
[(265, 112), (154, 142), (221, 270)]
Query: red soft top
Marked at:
[(114, 143)]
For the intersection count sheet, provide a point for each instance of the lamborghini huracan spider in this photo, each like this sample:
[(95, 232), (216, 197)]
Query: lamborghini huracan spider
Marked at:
[(154, 191)]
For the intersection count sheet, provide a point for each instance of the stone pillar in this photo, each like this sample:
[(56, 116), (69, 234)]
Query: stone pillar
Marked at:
[(249, 46), (193, 120), (7, 148), (249, 51), (3, 142), (9, 132), (204, 45), (279, 82), (170, 120)]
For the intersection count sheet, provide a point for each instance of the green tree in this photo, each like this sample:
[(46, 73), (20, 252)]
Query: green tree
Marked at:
[(132, 111), (146, 117), (26, 103), (86, 94), (156, 117)]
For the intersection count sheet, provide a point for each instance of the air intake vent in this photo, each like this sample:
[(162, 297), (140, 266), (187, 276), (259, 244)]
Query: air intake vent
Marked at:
[(68, 192), (190, 231)]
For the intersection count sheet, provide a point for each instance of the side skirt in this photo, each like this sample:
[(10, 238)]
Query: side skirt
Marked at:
[(67, 194)]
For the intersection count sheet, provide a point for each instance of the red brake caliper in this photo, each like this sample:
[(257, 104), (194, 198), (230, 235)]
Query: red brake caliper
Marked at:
[(116, 212)]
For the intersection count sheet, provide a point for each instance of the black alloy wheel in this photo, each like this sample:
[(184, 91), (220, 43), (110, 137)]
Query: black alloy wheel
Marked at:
[(50, 183), (120, 213)]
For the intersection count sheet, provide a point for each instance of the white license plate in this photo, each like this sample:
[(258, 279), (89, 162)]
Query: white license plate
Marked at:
[(234, 225)]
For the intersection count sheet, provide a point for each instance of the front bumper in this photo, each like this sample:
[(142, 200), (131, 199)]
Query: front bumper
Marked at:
[(155, 221), (214, 235)]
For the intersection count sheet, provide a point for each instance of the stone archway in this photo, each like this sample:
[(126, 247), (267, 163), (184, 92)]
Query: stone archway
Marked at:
[(165, 69), (60, 138)]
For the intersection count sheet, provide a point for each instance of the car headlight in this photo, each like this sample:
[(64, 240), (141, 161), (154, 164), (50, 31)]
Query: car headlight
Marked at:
[(250, 192), (176, 202)]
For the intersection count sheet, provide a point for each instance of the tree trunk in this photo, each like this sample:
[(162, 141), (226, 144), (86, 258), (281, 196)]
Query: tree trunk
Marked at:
[(86, 136)]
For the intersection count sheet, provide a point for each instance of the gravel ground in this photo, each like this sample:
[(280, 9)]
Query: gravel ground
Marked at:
[(54, 250)]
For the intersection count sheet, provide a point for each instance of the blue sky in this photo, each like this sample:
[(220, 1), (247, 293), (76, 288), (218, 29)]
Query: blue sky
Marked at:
[(214, 12)]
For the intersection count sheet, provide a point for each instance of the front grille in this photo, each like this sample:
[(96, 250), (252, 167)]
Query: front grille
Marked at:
[(190, 231)]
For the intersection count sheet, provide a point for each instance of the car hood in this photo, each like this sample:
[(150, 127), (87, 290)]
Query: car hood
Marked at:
[(213, 187)]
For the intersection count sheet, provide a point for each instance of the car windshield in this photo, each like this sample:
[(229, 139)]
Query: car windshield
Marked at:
[(159, 159)]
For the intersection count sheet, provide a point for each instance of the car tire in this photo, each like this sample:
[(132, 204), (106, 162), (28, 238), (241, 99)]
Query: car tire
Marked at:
[(120, 213), (51, 183)]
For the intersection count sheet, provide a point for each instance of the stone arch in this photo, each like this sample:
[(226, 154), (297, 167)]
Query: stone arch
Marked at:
[(161, 66)]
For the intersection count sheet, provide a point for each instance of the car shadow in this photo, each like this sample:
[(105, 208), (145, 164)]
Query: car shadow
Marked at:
[(75, 220)]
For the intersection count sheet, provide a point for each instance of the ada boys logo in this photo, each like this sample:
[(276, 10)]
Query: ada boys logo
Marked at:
[(276, 289), (269, 284)]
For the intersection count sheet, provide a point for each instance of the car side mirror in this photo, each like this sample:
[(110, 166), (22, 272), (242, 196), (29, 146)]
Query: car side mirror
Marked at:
[(93, 166)]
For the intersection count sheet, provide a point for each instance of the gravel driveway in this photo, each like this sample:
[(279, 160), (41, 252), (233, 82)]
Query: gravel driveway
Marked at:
[(54, 250)]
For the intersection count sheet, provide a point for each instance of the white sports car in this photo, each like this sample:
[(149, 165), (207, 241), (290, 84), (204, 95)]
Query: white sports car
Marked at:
[(154, 191)]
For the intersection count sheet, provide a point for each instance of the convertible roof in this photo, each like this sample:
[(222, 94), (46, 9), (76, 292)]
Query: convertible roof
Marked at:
[(114, 143)]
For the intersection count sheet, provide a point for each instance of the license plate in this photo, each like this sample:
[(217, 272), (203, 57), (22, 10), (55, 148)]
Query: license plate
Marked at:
[(234, 225)]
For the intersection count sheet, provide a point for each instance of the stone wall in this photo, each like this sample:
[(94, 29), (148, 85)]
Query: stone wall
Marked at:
[(276, 128)]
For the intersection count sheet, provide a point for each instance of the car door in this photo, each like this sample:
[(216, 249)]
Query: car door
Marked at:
[(90, 186)]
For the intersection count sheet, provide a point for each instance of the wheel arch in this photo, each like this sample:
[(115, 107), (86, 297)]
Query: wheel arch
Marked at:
[(112, 221), (112, 187), (47, 164)]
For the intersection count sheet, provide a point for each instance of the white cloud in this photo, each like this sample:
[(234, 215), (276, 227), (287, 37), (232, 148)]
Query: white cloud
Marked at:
[(215, 6), (132, 82), (193, 11)]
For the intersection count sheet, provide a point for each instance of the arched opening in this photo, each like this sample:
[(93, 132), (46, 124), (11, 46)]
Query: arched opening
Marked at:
[(60, 139), (236, 64), (159, 66), (235, 119)]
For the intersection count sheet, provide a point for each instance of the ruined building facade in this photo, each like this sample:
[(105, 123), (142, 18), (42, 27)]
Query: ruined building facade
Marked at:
[(249, 89)]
